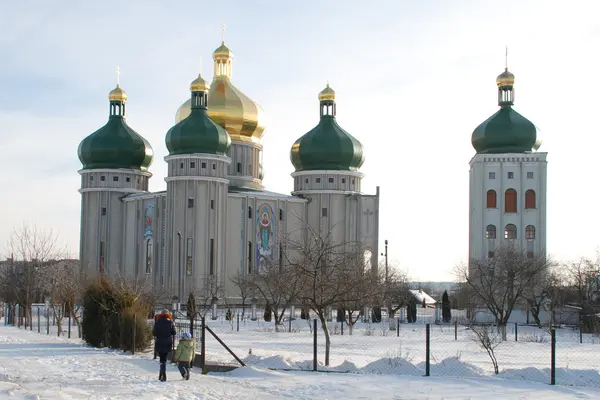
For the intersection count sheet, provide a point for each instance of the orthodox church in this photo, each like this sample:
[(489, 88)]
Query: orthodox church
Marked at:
[(215, 221), (507, 181)]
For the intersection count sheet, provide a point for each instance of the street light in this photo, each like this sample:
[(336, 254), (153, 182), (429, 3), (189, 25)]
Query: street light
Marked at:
[(386, 260), (179, 263)]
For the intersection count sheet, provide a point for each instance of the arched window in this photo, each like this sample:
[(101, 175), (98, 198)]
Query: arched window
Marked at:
[(490, 201), (149, 256), (367, 256), (490, 232), (530, 199), (510, 201), (510, 232), (530, 232)]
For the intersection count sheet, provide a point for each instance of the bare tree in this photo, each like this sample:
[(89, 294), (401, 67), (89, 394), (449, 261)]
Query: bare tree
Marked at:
[(488, 338), (366, 287), (31, 251), (279, 284), (323, 266), (499, 283), (396, 290), (246, 289)]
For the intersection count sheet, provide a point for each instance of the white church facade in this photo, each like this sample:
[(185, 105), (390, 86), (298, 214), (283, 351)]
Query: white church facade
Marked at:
[(507, 182), (215, 221)]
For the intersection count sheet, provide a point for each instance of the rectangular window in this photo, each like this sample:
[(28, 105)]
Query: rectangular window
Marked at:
[(149, 256), (318, 180), (188, 259), (214, 166), (280, 214), (511, 175), (330, 180), (306, 180), (91, 178), (192, 164), (212, 204), (249, 212), (102, 178), (491, 175), (343, 180), (323, 212), (115, 179), (128, 179), (181, 165), (490, 254), (239, 167), (529, 175), (101, 261), (190, 203), (203, 165), (249, 258), (103, 210), (211, 255), (530, 254), (353, 181), (280, 255)]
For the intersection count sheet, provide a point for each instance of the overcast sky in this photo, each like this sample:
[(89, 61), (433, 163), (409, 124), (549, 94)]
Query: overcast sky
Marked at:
[(413, 79)]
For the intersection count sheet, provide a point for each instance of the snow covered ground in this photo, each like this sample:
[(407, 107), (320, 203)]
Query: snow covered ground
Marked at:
[(37, 366)]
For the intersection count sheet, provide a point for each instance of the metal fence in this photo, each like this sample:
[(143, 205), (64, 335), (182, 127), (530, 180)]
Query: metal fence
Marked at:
[(228, 338)]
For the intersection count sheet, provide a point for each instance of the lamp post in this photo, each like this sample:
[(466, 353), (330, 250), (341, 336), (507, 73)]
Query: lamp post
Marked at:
[(179, 266), (386, 262)]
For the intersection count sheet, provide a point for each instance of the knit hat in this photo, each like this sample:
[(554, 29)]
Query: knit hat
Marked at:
[(186, 335), (165, 311)]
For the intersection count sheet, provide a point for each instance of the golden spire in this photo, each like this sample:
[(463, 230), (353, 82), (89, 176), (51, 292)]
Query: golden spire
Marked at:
[(506, 78), (222, 56), (118, 94), (327, 94), (199, 85)]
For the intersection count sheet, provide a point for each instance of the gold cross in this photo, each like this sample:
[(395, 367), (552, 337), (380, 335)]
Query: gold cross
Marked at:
[(506, 59), (118, 74), (223, 27)]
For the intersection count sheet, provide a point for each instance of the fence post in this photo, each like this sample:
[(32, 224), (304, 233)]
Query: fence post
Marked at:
[(133, 336), (398, 328), (203, 345), (580, 333), (314, 344), (47, 320), (290, 328), (238, 322), (30, 311), (39, 328), (69, 330), (427, 349), (516, 332), (342, 327), (455, 330), (553, 357)]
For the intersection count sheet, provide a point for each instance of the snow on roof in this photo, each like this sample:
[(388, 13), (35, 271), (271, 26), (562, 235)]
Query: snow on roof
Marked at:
[(420, 295)]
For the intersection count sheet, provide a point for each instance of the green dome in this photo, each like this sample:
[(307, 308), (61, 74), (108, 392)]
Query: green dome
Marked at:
[(115, 145), (198, 133), (327, 147), (506, 131)]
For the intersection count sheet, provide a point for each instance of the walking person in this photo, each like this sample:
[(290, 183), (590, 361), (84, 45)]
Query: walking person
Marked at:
[(163, 333), (185, 354)]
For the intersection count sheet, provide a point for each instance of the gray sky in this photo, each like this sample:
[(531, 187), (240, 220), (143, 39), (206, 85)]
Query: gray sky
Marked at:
[(413, 79)]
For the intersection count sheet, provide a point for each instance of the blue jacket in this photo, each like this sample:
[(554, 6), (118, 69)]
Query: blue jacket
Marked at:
[(163, 331)]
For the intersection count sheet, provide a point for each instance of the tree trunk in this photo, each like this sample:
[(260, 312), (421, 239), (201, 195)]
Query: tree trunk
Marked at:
[(327, 337), (502, 330), (535, 313)]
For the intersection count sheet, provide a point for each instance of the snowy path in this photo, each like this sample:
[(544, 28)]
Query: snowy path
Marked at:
[(34, 366)]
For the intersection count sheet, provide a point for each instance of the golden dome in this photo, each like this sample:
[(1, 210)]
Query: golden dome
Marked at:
[(199, 85), (227, 105), (117, 94), (327, 94), (222, 51), (505, 79)]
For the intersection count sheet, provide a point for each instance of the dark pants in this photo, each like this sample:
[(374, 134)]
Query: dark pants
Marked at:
[(184, 369), (163, 357)]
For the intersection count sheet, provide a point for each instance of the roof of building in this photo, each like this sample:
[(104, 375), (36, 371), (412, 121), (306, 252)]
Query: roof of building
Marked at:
[(420, 295)]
